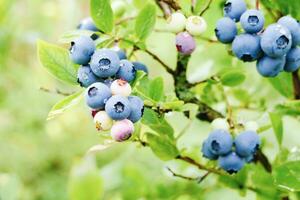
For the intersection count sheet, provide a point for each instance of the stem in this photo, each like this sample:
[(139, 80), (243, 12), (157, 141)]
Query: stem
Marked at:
[(262, 158), (155, 57), (165, 8), (296, 84), (182, 176), (257, 4), (206, 7)]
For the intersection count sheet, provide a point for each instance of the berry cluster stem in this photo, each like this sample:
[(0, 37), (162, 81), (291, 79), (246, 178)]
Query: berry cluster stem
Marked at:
[(296, 84)]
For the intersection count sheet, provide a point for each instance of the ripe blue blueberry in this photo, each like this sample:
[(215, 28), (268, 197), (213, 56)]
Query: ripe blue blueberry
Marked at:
[(96, 95), (140, 66), (85, 76), (234, 9), (252, 21), (126, 71), (207, 153), (270, 67), (292, 60), (247, 47), (105, 63), (293, 26), (246, 143), (226, 30), (122, 55), (185, 43), (88, 24), (118, 107), (276, 40), (82, 48), (219, 142), (231, 163), (137, 108), (108, 82)]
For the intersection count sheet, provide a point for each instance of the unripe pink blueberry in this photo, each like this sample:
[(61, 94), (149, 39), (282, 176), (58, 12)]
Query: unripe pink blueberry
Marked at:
[(103, 121), (185, 43), (120, 87), (122, 130), (176, 22), (196, 25)]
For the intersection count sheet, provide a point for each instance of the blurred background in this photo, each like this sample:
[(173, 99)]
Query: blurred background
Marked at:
[(41, 159)]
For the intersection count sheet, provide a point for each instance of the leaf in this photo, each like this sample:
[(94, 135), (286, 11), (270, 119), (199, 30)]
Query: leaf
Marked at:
[(102, 15), (139, 75), (157, 123), (71, 35), (173, 105), (289, 108), (56, 60), (145, 21), (287, 176), (98, 148), (85, 181), (236, 181), (283, 84), (276, 120), (65, 104), (233, 78), (199, 5), (156, 89), (162, 146)]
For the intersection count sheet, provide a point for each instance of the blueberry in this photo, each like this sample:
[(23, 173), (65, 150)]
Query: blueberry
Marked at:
[(140, 66), (293, 26), (176, 22), (252, 21), (137, 108), (220, 123), (96, 95), (270, 67), (126, 71), (292, 60), (120, 87), (82, 48), (87, 24), (247, 47), (246, 143), (207, 153), (108, 82), (276, 40), (196, 25), (231, 163), (226, 30), (103, 121), (185, 43), (85, 76), (105, 63), (122, 130), (118, 107), (219, 142), (234, 9), (122, 55)]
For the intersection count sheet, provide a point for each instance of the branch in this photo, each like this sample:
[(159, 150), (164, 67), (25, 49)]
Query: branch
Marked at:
[(56, 91), (173, 4), (262, 158), (155, 57), (165, 8), (199, 179), (257, 4), (206, 7), (296, 84)]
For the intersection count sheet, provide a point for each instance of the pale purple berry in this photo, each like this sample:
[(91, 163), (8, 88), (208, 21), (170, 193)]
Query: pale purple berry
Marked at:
[(122, 130), (185, 43)]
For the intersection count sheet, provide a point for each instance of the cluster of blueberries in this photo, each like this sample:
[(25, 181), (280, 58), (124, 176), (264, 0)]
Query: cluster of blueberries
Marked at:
[(106, 73), (274, 48), (186, 28), (231, 154)]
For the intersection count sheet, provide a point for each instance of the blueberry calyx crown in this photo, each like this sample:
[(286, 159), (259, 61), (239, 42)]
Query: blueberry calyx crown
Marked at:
[(119, 107), (282, 42), (253, 20)]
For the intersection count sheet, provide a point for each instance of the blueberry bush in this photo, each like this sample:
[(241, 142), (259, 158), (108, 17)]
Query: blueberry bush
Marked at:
[(150, 70)]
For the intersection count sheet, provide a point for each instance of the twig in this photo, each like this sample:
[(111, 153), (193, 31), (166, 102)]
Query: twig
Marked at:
[(182, 176), (173, 4), (165, 8), (296, 84), (203, 177), (125, 20), (193, 4), (56, 91), (262, 158), (257, 4), (155, 57), (206, 7)]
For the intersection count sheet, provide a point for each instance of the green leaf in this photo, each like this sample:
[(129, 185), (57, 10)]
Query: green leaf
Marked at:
[(85, 181), (102, 15), (276, 120), (199, 5), (162, 146), (156, 89), (65, 104), (57, 61), (233, 78), (145, 21), (157, 123), (173, 105), (236, 181), (283, 84), (289, 108), (139, 76), (287, 176)]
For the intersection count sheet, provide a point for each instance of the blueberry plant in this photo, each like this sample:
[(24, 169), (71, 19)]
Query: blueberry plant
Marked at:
[(128, 105)]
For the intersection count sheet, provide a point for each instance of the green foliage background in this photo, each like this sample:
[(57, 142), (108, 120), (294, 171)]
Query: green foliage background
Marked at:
[(42, 159)]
